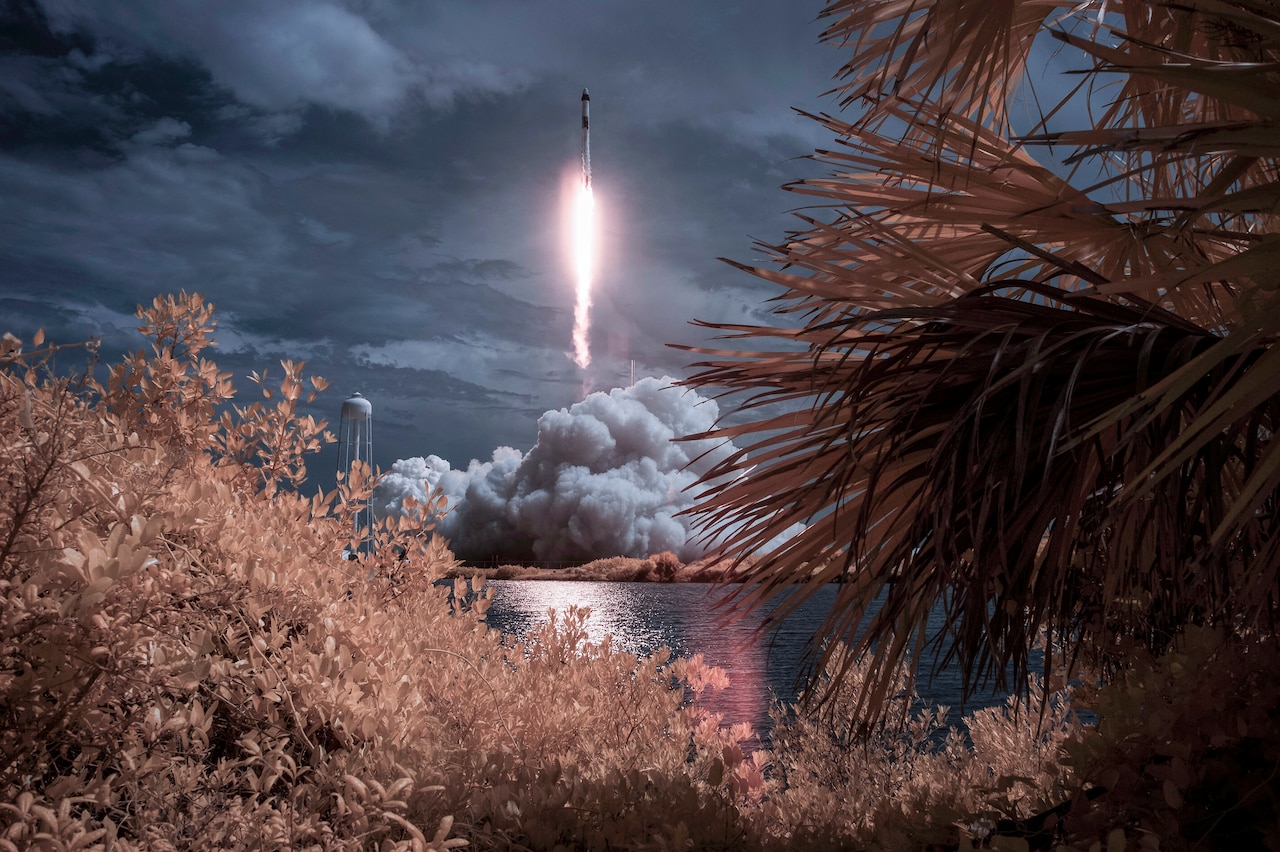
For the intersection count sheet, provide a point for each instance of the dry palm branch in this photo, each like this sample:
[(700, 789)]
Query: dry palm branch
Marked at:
[(1024, 402)]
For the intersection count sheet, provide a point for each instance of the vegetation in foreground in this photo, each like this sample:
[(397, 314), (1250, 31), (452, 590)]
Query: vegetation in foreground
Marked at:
[(1024, 350), (189, 661)]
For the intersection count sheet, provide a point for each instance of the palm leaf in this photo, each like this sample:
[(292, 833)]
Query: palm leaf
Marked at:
[(1023, 402)]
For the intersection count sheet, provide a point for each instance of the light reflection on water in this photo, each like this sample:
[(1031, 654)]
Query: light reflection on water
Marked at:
[(642, 617)]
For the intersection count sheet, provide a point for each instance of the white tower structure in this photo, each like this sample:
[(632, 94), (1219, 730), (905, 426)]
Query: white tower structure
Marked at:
[(355, 443)]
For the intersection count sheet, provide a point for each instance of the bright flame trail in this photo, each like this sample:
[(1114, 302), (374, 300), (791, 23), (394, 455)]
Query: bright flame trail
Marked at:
[(584, 245), (584, 259)]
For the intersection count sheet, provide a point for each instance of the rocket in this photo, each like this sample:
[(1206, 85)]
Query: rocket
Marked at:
[(586, 138)]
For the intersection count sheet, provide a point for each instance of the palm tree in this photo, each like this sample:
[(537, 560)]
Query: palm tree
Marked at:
[(1028, 376)]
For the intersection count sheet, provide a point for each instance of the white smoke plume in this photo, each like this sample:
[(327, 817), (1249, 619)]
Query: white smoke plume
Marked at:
[(605, 478)]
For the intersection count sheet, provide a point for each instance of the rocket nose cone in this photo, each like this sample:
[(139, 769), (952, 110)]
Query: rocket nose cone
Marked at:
[(586, 96)]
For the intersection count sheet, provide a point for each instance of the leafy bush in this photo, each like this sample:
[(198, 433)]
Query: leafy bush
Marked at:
[(665, 566), (909, 780), (189, 660), (1186, 749)]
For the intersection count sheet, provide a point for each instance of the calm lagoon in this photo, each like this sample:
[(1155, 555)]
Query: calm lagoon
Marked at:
[(642, 617)]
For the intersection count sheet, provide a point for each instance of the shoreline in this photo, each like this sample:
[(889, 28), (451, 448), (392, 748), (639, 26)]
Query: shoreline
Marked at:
[(661, 568)]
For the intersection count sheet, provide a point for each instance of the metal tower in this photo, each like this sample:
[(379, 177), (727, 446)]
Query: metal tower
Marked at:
[(355, 443)]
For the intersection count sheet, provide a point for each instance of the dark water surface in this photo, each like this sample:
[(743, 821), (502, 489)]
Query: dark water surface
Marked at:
[(642, 617)]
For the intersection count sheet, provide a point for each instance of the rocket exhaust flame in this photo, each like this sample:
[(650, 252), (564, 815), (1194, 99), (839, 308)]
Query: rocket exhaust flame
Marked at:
[(584, 216), (584, 245)]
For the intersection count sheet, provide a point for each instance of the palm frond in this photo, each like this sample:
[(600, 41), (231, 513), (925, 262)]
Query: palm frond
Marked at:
[(1022, 402), (965, 56), (943, 469)]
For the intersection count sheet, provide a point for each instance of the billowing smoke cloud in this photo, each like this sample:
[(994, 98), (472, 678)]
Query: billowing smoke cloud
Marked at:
[(605, 478)]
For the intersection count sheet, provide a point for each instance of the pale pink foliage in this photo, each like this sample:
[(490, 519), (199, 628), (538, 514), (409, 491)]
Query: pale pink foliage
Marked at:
[(188, 659), (836, 772)]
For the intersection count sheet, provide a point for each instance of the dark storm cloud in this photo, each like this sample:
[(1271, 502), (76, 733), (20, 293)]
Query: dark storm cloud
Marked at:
[(376, 187), (274, 56)]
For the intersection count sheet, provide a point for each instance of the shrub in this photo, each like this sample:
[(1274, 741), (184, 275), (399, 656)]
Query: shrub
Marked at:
[(614, 569), (189, 660), (665, 565), (909, 779), (1186, 748)]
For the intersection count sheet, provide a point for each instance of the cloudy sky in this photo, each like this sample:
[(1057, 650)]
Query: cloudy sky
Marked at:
[(378, 186)]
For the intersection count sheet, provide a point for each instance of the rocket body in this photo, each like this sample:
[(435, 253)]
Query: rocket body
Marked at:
[(586, 138)]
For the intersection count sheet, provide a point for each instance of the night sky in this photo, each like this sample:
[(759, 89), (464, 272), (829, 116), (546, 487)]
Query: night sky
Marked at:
[(378, 187)]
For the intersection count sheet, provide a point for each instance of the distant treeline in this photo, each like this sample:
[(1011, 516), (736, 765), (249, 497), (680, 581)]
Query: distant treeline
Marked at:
[(663, 567)]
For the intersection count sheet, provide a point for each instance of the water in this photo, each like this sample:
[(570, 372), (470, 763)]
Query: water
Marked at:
[(642, 617)]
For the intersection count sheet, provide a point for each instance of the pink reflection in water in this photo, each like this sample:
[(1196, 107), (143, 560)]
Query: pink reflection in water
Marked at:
[(642, 617)]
